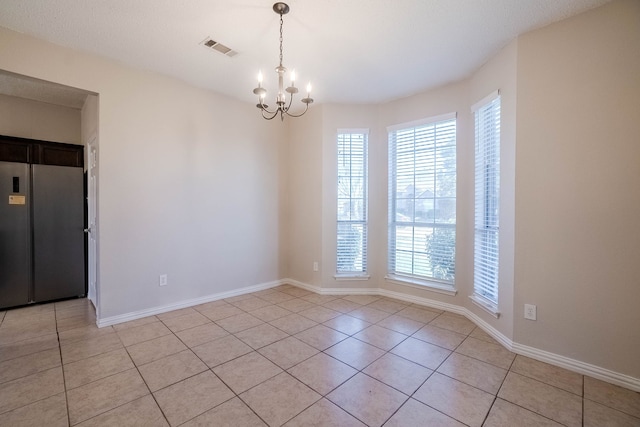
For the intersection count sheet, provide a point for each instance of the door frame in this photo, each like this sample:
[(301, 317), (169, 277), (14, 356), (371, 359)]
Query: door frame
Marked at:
[(93, 288)]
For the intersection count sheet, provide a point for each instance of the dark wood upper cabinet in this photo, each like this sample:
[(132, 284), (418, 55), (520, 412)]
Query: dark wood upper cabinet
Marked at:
[(14, 151), (58, 155), (22, 150)]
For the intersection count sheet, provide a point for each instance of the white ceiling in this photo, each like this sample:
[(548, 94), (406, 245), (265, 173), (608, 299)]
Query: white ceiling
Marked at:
[(355, 51)]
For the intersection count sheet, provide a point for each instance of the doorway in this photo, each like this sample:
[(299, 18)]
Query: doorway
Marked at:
[(25, 89)]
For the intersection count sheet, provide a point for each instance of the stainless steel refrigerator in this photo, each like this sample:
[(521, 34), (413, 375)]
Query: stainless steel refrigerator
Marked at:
[(41, 233)]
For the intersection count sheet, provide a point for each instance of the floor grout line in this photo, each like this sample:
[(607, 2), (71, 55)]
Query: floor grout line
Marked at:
[(249, 308)]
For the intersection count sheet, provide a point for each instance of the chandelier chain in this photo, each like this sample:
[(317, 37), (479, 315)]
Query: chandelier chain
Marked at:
[(281, 39)]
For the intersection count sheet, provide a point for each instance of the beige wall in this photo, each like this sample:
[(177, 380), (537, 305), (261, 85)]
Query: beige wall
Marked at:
[(89, 119), (578, 187), (570, 197), (186, 182), (25, 118), (498, 73), (303, 213), (448, 99), (343, 117)]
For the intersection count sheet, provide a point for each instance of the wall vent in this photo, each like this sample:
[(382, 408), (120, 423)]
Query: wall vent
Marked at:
[(218, 47)]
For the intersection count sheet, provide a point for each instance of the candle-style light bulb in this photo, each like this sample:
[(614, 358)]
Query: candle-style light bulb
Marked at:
[(293, 77), (259, 78), (308, 89)]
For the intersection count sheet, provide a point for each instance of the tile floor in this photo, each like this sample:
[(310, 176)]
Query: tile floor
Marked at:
[(285, 356)]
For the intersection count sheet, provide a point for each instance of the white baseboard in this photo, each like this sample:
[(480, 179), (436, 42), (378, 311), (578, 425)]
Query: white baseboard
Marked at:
[(332, 291), (121, 318), (532, 352), (574, 365)]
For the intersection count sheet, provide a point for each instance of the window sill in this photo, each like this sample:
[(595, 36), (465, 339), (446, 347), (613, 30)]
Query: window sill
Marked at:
[(486, 305), (351, 277), (438, 287)]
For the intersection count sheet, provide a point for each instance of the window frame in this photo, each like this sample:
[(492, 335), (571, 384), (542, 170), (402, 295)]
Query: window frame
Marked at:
[(394, 275), (361, 274), (486, 255)]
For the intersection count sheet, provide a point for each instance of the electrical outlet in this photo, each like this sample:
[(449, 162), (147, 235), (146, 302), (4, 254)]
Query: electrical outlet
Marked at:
[(530, 311), (315, 265), (163, 280)]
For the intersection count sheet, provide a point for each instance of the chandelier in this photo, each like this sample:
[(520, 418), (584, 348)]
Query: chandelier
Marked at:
[(282, 107)]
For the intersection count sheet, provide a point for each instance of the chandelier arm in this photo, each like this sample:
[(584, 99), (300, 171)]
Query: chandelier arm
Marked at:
[(290, 102), (297, 115), (273, 114), (264, 108)]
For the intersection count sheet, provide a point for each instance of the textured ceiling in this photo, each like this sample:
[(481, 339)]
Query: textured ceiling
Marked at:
[(38, 90), (356, 51)]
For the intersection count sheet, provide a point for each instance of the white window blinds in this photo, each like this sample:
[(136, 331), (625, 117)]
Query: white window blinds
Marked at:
[(487, 199), (352, 204), (422, 199)]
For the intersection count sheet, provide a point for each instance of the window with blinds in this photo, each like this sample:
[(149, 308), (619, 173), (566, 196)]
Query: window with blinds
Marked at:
[(422, 200), (487, 199), (351, 250)]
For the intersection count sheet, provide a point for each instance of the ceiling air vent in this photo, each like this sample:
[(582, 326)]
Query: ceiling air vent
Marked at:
[(219, 47)]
